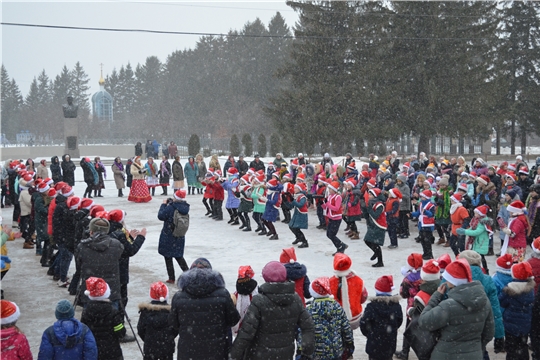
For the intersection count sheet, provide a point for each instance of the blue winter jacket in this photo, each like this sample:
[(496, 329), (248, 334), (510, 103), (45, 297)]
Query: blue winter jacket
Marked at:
[(169, 245), (68, 340), (517, 299), (491, 292), (501, 279), (232, 201), (271, 213)]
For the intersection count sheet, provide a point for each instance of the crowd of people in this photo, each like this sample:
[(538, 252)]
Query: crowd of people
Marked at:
[(454, 308)]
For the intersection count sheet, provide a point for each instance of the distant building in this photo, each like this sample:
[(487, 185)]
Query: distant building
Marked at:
[(102, 103), (24, 137)]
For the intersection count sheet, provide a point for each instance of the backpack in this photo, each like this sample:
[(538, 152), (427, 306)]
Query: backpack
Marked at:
[(181, 224)]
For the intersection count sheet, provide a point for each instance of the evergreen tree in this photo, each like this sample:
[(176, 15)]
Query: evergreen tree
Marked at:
[(275, 144), (234, 146), (11, 104), (80, 88), (247, 142), (194, 145), (261, 148)]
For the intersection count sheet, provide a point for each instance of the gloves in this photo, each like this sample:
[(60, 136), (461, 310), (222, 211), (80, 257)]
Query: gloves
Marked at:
[(507, 231), (6, 259), (460, 231), (498, 345), (348, 351)]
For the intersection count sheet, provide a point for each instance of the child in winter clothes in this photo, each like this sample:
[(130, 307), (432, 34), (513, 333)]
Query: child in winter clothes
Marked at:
[(299, 219), (246, 289), (376, 224), (334, 216), (517, 299), (246, 203), (219, 195), (273, 203), (479, 232), (333, 334), (534, 260), (348, 289), (319, 197), (287, 197), (68, 338), (13, 342), (105, 321), (503, 274), (296, 273), (515, 241), (426, 223), (258, 196), (392, 216), (153, 326), (231, 185), (503, 216), (459, 216), (410, 286), (381, 320), (351, 207), (208, 196)]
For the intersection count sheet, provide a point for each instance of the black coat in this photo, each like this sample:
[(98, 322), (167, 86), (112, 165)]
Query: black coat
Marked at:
[(257, 165), (380, 322), (102, 318), (88, 174), (68, 171), (202, 313), (270, 325), (138, 149), (154, 329), (242, 167), (56, 170), (82, 220), (99, 256), (165, 177), (131, 247), (62, 223)]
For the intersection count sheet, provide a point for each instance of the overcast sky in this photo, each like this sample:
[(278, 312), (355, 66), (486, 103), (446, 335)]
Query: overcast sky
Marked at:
[(27, 51)]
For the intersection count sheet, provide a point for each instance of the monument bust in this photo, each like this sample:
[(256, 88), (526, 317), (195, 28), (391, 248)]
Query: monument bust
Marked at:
[(70, 109)]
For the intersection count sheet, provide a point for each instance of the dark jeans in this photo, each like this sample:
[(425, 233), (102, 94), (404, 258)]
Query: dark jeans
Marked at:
[(257, 218), (16, 210), (170, 267), (320, 215), (331, 232), (299, 234), (404, 222), (63, 260), (393, 224), (270, 226), (352, 226), (516, 347), (208, 207), (218, 209), (425, 239), (443, 231), (457, 243), (24, 226)]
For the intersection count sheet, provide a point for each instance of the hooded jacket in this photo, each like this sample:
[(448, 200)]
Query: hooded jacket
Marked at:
[(67, 340), (517, 300), (56, 170), (68, 170), (465, 320), (14, 345), (154, 329), (169, 245), (270, 325), (297, 273), (202, 313)]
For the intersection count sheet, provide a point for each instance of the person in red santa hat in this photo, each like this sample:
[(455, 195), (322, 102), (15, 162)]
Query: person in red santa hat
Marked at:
[(534, 260), (296, 273), (381, 320), (515, 241), (351, 207), (299, 219), (246, 289), (104, 320), (153, 326), (14, 343), (348, 289), (334, 216), (333, 333), (461, 311)]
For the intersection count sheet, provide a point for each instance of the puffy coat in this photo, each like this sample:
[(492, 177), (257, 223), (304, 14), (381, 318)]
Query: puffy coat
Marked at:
[(169, 245), (177, 171), (14, 345), (202, 313), (352, 204), (410, 286), (232, 201), (107, 325), (459, 215), (381, 320), (25, 201), (299, 220), (465, 320), (297, 273), (41, 211), (270, 325), (67, 340), (491, 292), (90, 174), (517, 300), (501, 279), (405, 204), (481, 236), (154, 329), (98, 256), (164, 172), (256, 193), (374, 233), (60, 225), (356, 294), (42, 172), (68, 170), (272, 196), (56, 170), (191, 172), (518, 226), (332, 329)]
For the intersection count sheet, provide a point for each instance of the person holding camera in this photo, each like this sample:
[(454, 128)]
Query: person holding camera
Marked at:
[(171, 246)]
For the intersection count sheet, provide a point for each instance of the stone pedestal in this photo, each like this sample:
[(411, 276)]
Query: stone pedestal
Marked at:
[(71, 137)]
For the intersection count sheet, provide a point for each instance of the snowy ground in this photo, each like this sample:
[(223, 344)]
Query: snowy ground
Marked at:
[(225, 246)]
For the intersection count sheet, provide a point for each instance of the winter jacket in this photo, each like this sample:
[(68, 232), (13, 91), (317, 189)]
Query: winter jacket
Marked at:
[(219, 192), (405, 204), (41, 211), (177, 171), (90, 174), (278, 161), (25, 201), (164, 172), (137, 171), (131, 248), (42, 172), (333, 332), (517, 299), (501, 279), (14, 345), (297, 273), (273, 195), (56, 170), (230, 163), (257, 193), (191, 172), (481, 235), (68, 171), (270, 325), (352, 205), (107, 326), (491, 292), (525, 185), (410, 286), (214, 163), (333, 207), (68, 340), (374, 212), (98, 256), (299, 220), (518, 225), (458, 217), (119, 176), (534, 260), (61, 226), (487, 196), (201, 169), (232, 201), (465, 320), (356, 294), (242, 167), (169, 245), (259, 165), (380, 323), (202, 313), (154, 329)]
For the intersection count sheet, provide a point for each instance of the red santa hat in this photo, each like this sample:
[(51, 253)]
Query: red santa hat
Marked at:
[(512, 167), (444, 260), (522, 271), (86, 204), (103, 215), (251, 171), (422, 297), (351, 182), (504, 263), (67, 190), (245, 179), (395, 193), (48, 181), (95, 209), (384, 285), (364, 174), (334, 185), (59, 185), (482, 210), (463, 187), (458, 272), (52, 193), (320, 287), (245, 272), (456, 197), (9, 312), (536, 245), (73, 202), (179, 194), (371, 183), (375, 192), (232, 171), (483, 179), (431, 271), (472, 175), (272, 183), (286, 176), (159, 292), (407, 165), (342, 264), (510, 175), (301, 177), (524, 171), (415, 261), (117, 215), (516, 207), (322, 178), (97, 289), (288, 255), (426, 194), (352, 165), (43, 187), (259, 178), (294, 162), (301, 186)]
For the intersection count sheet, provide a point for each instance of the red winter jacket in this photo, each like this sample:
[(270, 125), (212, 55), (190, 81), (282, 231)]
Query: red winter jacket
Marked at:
[(353, 205), (519, 227), (14, 345), (535, 264), (52, 206), (219, 192), (208, 191)]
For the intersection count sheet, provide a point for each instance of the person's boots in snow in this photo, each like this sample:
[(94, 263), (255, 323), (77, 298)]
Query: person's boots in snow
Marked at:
[(248, 224), (120, 194)]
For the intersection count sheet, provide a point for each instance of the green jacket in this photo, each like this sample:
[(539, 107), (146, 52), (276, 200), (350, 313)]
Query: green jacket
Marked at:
[(481, 235), (256, 193), (465, 320)]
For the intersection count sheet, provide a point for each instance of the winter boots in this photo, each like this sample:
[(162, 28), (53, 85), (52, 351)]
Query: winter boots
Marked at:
[(120, 194)]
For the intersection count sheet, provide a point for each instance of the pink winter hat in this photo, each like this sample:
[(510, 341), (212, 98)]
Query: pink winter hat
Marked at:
[(274, 271)]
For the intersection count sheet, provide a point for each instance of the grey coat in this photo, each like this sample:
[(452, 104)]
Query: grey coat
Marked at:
[(119, 176), (465, 320), (405, 204)]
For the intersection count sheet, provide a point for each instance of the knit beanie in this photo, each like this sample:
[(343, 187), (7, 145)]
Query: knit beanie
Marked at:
[(64, 310), (472, 257)]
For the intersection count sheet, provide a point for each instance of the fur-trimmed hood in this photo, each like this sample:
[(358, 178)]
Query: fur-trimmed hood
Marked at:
[(154, 307), (385, 299), (516, 288), (200, 282)]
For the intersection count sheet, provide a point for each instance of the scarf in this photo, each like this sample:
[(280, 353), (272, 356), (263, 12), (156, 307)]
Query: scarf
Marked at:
[(152, 168), (454, 207), (192, 165), (442, 212), (99, 165), (470, 240), (164, 170), (119, 165)]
